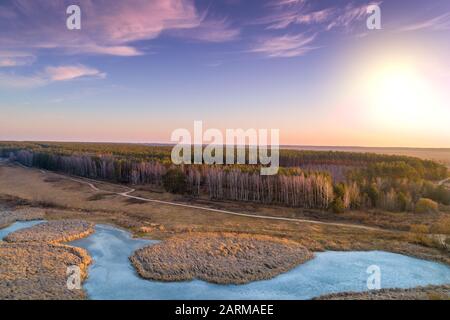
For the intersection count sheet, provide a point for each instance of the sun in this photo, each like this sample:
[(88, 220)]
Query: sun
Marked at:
[(399, 95)]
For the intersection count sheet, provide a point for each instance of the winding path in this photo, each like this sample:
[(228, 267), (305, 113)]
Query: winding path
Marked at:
[(127, 194)]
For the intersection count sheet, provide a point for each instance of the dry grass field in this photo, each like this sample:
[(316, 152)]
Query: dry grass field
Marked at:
[(223, 258), (30, 271), (53, 232), (420, 293)]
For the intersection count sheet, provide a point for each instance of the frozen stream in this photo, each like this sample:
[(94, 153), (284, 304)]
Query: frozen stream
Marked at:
[(111, 276)]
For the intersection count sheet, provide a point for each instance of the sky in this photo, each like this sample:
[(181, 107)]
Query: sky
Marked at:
[(140, 69)]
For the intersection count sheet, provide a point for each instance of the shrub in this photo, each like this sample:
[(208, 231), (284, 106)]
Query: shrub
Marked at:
[(439, 194), (425, 205), (442, 226), (174, 181), (418, 235), (419, 228), (339, 190), (373, 193), (404, 202), (338, 205)]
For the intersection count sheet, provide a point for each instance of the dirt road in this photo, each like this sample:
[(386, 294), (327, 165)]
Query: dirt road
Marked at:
[(127, 194)]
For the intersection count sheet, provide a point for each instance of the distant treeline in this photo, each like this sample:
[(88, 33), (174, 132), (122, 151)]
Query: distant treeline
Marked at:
[(305, 180), (426, 169)]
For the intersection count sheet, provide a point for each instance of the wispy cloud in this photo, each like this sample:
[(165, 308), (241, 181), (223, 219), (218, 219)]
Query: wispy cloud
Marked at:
[(306, 16), (316, 16), (439, 23), (120, 51), (108, 27), (210, 30), (301, 13), (283, 21), (12, 80), (64, 73), (285, 46), (279, 3), (15, 59), (348, 16), (49, 75)]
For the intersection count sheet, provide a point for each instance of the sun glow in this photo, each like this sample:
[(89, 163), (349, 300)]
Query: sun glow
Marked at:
[(401, 96)]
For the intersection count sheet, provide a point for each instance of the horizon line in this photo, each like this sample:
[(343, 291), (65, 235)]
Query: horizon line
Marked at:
[(281, 145)]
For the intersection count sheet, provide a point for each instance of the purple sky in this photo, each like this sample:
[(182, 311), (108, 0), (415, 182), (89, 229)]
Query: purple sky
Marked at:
[(139, 69)]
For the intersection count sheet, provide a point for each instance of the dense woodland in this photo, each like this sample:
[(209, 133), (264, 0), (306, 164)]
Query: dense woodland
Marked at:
[(324, 180)]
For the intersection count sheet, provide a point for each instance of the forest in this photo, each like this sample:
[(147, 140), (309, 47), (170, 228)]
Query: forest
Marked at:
[(325, 180)]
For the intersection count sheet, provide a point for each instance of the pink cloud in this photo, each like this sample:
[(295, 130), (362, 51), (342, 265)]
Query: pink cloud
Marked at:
[(108, 27), (217, 30), (276, 3), (348, 16), (49, 75), (316, 16), (309, 18), (123, 51), (15, 59), (301, 13), (134, 20), (64, 73), (438, 23), (285, 46)]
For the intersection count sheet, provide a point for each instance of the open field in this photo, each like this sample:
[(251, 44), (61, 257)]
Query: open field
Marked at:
[(61, 198), (438, 154)]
